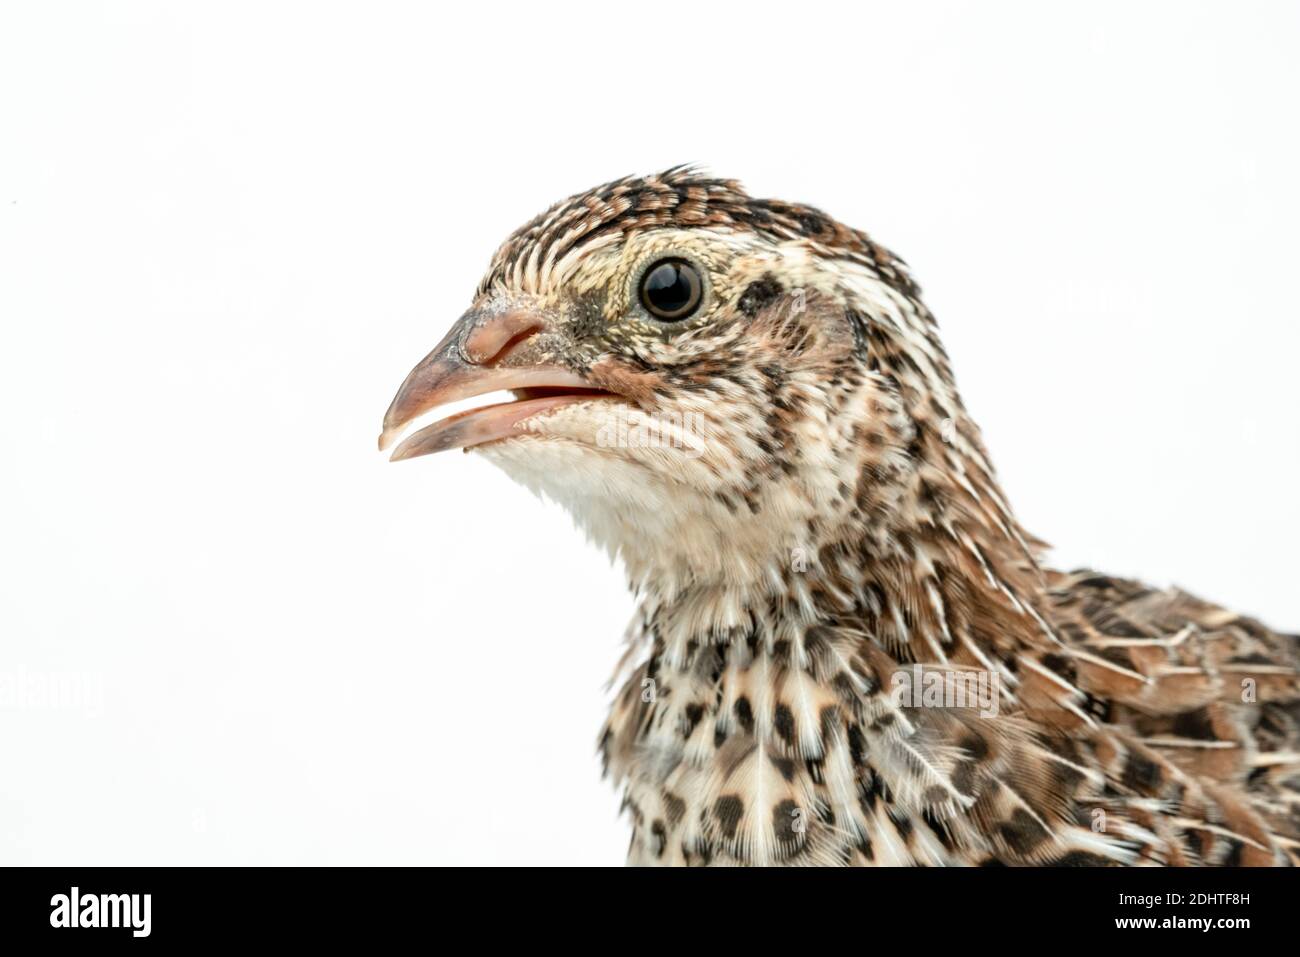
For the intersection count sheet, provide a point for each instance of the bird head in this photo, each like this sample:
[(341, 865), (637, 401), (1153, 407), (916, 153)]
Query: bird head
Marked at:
[(715, 385)]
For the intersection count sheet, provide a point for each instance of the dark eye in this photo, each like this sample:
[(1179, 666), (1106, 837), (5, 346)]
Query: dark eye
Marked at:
[(671, 290)]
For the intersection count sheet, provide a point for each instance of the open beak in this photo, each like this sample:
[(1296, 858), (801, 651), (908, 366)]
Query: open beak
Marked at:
[(484, 352)]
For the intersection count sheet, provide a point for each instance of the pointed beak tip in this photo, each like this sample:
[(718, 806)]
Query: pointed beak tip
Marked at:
[(401, 453)]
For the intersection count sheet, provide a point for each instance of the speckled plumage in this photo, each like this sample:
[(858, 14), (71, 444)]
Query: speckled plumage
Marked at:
[(832, 520)]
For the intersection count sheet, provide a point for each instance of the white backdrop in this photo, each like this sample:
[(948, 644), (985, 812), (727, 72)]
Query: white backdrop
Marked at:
[(231, 632)]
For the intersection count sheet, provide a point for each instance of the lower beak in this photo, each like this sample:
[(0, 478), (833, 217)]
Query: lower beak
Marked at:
[(483, 352)]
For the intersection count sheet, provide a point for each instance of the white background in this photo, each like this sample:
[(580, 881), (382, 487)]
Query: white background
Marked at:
[(226, 234)]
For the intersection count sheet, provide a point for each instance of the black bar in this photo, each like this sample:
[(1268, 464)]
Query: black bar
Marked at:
[(373, 906)]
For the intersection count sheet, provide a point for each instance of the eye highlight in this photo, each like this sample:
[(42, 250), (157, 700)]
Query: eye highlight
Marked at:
[(671, 290)]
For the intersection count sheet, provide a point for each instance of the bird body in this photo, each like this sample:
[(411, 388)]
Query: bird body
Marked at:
[(847, 650)]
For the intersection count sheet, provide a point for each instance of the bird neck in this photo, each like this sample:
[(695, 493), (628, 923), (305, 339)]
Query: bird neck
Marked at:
[(936, 571)]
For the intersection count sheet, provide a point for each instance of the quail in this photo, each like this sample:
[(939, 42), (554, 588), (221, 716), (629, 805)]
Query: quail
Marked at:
[(847, 650)]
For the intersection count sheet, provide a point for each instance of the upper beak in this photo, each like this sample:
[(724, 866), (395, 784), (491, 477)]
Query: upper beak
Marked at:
[(484, 352)]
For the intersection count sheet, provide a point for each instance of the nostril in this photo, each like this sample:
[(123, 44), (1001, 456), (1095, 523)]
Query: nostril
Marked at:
[(494, 339), (515, 342)]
